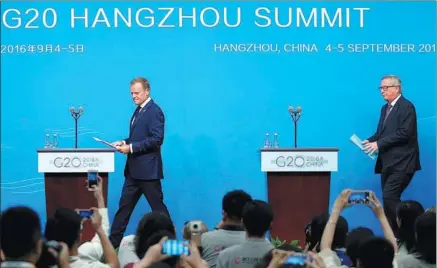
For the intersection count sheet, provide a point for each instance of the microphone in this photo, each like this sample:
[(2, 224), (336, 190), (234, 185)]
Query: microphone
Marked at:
[(76, 114), (295, 115)]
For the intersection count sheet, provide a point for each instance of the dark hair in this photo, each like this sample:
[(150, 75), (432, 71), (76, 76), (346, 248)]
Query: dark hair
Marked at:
[(407, 212), (148, 225), (257, 218), (20, 231), (376, 252), (47, 259), (353, 241), (340, 236), (233, 203), (65, 227), (315, 230), (154, 239), (426, 234), (318, 224)]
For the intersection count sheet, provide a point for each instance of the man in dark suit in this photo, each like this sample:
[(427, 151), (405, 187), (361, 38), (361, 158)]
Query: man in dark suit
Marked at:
[(143, 170), (396, 141)]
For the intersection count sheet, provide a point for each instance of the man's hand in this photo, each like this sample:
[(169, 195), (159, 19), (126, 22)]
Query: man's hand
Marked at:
[(317, 261), (117, 143), (98, 192), (124, 149), (96, 220), (153, 255), (194, 260), (61, 256), (371, 147)]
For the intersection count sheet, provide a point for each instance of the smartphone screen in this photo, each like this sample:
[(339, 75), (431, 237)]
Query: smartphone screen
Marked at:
[(92, 179), (85, 213), (175, 248), (359, 197), (297, 260)]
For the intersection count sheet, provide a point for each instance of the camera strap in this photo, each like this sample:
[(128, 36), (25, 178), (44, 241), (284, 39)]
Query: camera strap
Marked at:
[(73, 258), (17, 264)]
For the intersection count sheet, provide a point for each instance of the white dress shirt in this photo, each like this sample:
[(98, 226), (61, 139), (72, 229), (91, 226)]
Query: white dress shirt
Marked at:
[(395, 100)]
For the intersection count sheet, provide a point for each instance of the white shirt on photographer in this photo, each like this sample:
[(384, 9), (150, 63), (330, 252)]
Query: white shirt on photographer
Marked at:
[(126, 251), (91, 253)]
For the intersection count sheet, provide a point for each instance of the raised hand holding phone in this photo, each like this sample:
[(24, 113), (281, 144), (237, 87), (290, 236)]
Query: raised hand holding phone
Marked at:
[(175, 248), (375, 205), (84, 214), (92, 179), (359, 197)]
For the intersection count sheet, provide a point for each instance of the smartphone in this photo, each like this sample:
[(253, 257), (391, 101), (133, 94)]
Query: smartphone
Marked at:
[(85, 213), (297, 260), (92, 179), (175, 248), (359, 197)]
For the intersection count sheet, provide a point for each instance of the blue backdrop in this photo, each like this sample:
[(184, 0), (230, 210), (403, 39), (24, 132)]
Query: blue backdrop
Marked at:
[(218, 105)]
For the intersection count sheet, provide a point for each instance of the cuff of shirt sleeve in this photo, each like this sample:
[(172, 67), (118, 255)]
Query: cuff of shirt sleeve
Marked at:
[(130, 146)]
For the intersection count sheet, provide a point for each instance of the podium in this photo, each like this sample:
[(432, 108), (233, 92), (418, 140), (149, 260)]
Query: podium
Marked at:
[(298, 182), (65, 174)]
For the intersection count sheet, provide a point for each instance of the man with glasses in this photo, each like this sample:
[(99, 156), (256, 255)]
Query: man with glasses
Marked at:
[(396, 142)]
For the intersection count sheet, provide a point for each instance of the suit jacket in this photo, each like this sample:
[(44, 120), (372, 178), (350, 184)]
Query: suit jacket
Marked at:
[(146, 136), (397, 139)]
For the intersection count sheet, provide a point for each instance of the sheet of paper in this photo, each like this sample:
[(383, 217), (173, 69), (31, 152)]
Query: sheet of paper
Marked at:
[(357, 141), (104, 142)]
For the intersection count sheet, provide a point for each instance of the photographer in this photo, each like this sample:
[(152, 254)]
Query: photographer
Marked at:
[(21, 241), (67, 227), (93, 250)]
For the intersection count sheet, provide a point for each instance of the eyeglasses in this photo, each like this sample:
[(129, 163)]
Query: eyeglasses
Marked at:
[(385, 88)]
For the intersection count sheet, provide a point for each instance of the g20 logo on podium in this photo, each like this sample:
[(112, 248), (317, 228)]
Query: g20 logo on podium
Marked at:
[(299, 161), (67, 162), (77, 162), (290, 161)]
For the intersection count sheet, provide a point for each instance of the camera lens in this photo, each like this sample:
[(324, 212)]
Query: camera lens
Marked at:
[(195, 226)]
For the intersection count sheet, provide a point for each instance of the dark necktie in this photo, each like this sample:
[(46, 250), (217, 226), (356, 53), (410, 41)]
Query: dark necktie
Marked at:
[(137, 111), (387, 112)]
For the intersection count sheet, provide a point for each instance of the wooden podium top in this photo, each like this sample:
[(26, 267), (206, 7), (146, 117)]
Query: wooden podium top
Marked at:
[(76, 150), (299, 149)]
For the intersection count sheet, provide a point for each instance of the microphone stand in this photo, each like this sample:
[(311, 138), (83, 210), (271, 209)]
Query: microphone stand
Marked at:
[(76, 114), (295, 115)]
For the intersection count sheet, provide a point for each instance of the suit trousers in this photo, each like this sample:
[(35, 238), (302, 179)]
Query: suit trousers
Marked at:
[(393, 185), (131, 193)]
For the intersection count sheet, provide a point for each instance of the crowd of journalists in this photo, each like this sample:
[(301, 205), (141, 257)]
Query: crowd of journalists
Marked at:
[(238, 241)]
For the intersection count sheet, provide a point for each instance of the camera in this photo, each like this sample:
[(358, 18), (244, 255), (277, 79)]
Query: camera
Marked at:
[(195, 227), (47, 259)]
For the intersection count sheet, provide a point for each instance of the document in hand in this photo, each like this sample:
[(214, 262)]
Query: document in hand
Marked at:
[(104, 142), (358, 142)]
